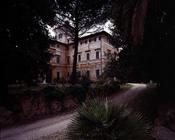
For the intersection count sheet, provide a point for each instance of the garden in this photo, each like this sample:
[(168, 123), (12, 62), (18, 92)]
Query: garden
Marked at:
[(25, 104)]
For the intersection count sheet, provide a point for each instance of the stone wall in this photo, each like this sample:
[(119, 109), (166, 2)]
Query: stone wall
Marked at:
[(29, 107)]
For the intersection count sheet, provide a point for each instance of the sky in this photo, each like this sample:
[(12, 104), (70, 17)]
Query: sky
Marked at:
[(105, 27)]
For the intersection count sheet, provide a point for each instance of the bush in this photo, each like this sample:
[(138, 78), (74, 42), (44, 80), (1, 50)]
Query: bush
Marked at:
[(112, 86), (52, 93), (78, 92), (85, 82), (98, 90), (100, 120), (104, 88)]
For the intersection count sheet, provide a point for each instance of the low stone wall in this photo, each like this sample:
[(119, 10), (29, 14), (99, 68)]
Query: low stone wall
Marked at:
[(33, 106)]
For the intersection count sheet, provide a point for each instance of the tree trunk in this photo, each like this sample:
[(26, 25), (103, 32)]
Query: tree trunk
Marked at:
[(138, 21), (74, 69), (76, 39)]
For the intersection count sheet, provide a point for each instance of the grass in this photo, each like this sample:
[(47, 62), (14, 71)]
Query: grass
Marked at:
[(126, 86)]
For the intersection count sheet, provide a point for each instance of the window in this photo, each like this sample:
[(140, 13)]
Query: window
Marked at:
[(79, 57), (60, 36), (87, 56), (58, 75), (58, 59), (97, 55), (88, 73), (99, 38), (95, 39), (68, 59), (89, 40), (85, 41), (97, 73)]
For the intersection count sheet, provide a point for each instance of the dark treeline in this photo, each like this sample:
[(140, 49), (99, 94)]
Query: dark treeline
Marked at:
[(147, 27)]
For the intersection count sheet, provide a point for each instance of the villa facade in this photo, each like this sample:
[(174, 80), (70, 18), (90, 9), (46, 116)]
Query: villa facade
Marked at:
[(93, 54)]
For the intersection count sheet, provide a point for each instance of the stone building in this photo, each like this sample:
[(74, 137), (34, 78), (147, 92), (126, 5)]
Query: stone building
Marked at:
[(93, 53)]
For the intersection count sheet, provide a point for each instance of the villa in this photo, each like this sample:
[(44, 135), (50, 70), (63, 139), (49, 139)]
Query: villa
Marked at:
[(93, 53)]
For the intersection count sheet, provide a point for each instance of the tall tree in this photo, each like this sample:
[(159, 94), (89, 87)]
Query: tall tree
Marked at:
[(128, 17), (151, 35), (24, 38), (81, 15), (158, 43)]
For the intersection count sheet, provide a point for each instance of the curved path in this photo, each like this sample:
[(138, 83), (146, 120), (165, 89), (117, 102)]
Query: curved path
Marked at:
[(130, 94), (59, 123)]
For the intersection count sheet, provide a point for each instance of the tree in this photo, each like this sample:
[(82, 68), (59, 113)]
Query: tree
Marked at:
[(159, 43), (24, 38), (122, 67), (128, 18), (126, 68), (78, 16), (150, 35)]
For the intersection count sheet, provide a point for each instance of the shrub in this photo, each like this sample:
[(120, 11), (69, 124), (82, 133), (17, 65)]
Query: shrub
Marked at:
[(78, 92), (104, 88), (53, 93), (98, 90), (112, 86), (100, 120), (85, 82)]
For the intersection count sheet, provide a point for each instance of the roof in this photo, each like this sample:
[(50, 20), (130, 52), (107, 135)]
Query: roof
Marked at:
[(84, 37), (96, 34), (53, 41)]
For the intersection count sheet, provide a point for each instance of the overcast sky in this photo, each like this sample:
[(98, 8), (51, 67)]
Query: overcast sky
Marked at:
[(105, 27)]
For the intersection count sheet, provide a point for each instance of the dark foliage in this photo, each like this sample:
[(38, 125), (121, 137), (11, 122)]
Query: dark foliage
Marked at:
[(129, 67), (158, 45), (85, 82), (104, 88), (78, 92), (53, 93), (150, 38), (122, 12), (100, 120), (24, 39)]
